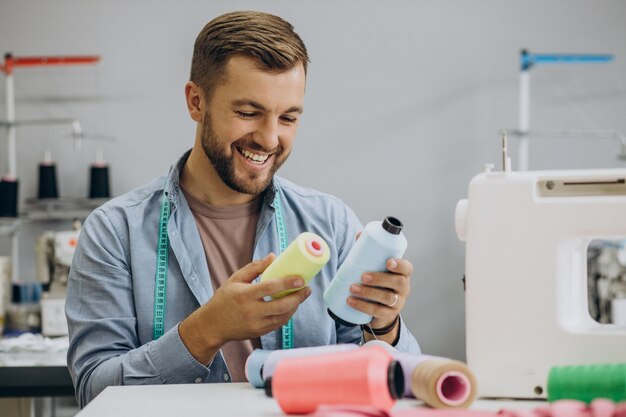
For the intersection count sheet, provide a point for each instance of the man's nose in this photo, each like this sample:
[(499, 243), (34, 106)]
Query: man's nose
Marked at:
[(267, 134)]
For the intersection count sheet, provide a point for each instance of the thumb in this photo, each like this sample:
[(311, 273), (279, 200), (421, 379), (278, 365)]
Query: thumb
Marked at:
[(249, 272)]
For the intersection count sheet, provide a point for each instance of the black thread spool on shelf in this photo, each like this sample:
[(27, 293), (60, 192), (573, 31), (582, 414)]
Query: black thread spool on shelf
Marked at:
[(8, 197), (99, 181), (47, 181)]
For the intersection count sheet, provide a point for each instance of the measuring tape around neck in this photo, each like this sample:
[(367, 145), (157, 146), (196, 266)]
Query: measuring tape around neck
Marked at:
[(160, 288), (287, 330)]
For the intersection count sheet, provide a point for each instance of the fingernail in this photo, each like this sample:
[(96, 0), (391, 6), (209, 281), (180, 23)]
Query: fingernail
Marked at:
[(366, 278), (355, 288), (393, 263), (298, 283)]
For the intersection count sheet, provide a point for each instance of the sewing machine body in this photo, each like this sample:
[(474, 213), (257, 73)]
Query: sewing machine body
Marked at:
[(526, 237)]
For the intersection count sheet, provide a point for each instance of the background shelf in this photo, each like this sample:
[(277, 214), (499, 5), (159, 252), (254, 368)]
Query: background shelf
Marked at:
[(61, 209)]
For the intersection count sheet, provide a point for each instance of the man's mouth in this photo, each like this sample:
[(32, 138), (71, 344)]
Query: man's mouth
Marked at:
[(255, 158)]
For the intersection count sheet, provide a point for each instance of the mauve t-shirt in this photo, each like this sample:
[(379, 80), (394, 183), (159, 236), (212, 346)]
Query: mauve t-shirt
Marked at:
[(227, 235)]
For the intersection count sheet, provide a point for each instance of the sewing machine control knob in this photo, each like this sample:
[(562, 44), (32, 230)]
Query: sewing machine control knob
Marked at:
[(460, 219), (489, 168)]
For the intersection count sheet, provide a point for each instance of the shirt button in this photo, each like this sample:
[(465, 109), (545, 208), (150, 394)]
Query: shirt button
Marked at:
[(226, 377), (197, 380)]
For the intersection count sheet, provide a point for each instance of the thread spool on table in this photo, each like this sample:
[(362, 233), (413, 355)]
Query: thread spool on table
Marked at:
[(261, 364), (444, 383), (587, 382), (439, 382), (361, 377)]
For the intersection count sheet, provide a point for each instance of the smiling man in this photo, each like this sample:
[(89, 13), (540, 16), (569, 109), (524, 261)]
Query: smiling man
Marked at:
[(163, 284)]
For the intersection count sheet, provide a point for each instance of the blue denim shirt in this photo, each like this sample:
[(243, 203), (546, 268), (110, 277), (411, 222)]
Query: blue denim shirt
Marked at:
[(110, 300)]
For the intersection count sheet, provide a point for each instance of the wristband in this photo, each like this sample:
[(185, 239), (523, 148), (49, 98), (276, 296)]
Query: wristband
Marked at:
[(382, 331), (395, 342)]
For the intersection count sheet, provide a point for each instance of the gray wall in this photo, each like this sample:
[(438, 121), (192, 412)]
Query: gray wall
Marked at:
[(404, 101)]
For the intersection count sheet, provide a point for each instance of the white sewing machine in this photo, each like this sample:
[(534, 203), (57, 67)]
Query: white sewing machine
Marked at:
[(527, 236), (54, 252)]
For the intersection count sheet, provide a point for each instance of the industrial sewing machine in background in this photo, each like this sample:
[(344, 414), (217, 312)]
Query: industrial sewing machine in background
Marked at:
[(533, 241), (54, 252)]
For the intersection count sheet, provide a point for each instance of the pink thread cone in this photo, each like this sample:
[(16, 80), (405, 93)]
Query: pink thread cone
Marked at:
[(362, 377)]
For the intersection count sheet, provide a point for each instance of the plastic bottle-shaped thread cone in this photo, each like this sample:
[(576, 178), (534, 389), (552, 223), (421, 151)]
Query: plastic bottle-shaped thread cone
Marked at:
[(378, 242)]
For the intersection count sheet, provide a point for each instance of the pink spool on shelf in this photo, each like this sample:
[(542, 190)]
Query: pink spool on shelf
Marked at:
[(361, 377)]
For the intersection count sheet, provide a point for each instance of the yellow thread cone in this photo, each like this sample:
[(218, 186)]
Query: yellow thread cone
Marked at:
[(304, 257)]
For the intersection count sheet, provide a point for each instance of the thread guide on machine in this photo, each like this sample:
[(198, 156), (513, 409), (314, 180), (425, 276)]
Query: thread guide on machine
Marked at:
[(581, 188)]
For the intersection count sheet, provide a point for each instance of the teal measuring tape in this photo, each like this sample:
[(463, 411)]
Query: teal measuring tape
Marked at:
[(287, 330), (160, 288)]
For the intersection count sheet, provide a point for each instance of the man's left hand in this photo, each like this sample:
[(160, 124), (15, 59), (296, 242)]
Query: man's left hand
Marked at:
[(382, 295)]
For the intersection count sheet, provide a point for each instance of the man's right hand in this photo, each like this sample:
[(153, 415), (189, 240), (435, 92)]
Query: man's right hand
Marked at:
[(238, 311)]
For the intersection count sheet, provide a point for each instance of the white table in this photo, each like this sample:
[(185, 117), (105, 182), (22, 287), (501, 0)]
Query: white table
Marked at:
[(216, 400)]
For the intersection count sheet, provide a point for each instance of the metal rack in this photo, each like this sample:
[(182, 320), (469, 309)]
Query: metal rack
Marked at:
[(527, 62), (11, 226)]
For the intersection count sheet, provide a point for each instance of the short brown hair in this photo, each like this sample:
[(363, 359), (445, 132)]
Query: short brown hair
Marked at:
[(269, 39)]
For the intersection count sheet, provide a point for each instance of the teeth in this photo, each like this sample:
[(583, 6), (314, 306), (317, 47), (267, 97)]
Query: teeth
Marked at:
[(253, 156)]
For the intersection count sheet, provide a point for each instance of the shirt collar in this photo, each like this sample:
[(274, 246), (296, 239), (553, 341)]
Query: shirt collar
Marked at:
[(172, 183)]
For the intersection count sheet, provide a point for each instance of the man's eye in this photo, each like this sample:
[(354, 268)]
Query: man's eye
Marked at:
[(246, 115), (289, 120)]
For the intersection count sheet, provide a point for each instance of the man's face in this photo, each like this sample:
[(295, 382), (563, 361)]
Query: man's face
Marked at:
[(251, 122)]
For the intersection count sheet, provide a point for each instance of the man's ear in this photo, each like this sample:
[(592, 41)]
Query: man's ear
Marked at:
[(195, 101)]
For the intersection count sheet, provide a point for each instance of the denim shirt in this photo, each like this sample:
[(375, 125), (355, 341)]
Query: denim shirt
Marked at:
[(110, 299)]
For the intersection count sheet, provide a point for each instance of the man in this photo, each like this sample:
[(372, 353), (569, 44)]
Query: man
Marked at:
[(198, 228)]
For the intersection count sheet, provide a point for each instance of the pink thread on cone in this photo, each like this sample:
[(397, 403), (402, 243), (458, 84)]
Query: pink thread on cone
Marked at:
[(569, 408), (314, 247), (453, 388), (620, 410), (602, 407), (358, 377)]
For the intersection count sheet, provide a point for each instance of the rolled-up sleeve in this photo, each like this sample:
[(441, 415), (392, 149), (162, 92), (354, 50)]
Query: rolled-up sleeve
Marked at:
[(104, 344)]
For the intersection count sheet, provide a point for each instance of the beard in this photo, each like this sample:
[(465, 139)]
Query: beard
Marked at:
[(224, 162)]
